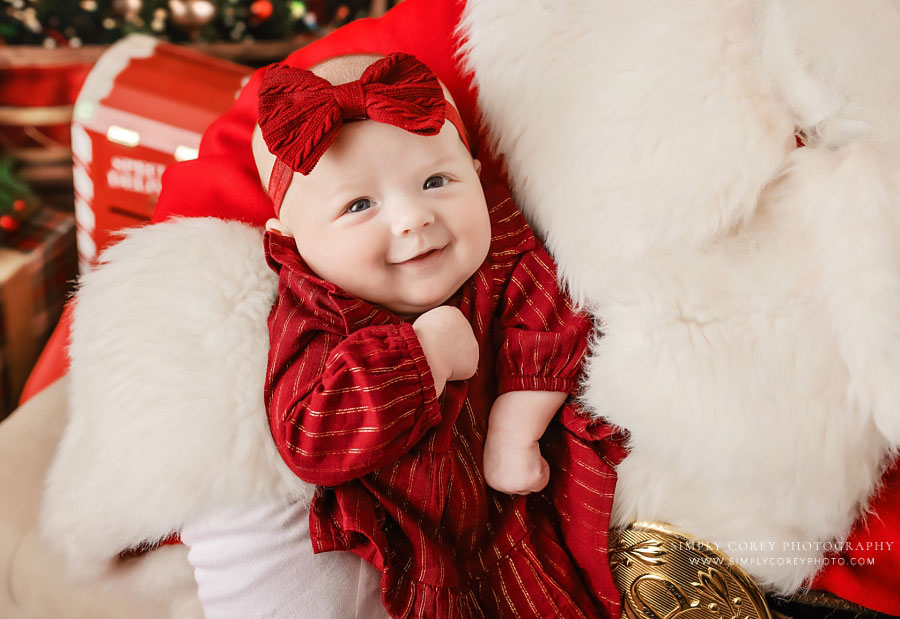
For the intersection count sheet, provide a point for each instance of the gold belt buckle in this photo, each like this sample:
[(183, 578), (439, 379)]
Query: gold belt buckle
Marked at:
[(665, 574)]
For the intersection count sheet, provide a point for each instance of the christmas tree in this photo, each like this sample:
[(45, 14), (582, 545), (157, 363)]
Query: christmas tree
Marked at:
[(15, 197), (61, 23)]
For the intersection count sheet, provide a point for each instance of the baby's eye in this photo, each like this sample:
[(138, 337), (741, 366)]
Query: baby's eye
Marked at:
[(358, 206), (436, 181)]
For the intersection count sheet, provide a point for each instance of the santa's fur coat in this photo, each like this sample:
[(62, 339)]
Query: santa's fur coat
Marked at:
[(748, 289)]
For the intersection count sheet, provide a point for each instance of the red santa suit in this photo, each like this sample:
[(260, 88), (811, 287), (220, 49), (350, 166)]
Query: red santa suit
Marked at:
[(353, 409)]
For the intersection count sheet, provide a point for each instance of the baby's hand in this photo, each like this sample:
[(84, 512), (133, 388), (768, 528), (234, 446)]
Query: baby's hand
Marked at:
[(512, 465), (448, 343), (512, 458)]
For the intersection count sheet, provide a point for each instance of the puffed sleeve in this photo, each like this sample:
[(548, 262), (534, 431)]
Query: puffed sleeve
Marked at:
[(544, 338), (343, 408), (348, 388)]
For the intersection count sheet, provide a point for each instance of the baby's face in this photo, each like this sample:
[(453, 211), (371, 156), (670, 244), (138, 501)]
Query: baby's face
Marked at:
[(391, 217)]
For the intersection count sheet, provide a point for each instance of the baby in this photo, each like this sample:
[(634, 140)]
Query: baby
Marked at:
[(419, 349)]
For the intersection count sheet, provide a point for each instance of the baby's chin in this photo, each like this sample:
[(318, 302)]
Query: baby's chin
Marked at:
[(410, 306)]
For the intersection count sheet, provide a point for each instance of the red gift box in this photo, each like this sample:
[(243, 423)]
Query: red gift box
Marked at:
[(144, 105), (37, 273)]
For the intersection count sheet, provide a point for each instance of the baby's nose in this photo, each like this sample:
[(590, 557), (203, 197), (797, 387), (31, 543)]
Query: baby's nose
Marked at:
[(410, 218)]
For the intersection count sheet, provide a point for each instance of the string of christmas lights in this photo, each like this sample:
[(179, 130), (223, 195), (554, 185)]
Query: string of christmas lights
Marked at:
[(16, 198), (73, 23)]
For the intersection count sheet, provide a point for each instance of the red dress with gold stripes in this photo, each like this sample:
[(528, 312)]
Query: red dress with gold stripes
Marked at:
[(352, 408)]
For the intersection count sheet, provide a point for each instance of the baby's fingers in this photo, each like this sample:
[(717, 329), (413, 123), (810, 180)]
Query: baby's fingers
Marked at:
[(537, 481), (542, 479)]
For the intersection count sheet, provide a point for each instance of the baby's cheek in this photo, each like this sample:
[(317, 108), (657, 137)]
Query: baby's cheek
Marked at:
[(482, 234)]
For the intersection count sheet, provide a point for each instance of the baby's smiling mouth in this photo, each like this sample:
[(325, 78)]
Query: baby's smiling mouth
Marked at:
[(423, 257)]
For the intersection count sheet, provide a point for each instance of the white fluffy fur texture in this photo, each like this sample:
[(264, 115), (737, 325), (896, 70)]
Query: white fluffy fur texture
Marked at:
[(167, 422), (749, 291)]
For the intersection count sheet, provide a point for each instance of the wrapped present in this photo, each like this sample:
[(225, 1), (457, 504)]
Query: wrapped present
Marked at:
[(38, 266), (144, 105), (38, 88), (37, 92)]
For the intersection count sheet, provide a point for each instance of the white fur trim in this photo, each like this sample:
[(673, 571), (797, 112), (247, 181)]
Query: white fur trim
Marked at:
[(169, 347), (749, 291), (835, 63), (626, 125)]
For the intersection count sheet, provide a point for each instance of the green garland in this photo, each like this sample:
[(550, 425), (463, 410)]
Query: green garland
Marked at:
[(59, 23), (12, 187), (15, 196)]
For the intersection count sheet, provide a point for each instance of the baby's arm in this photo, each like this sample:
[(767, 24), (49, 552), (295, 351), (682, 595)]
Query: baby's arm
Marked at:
[(448, 343), (342, 408), (538, 366), (512, 457)]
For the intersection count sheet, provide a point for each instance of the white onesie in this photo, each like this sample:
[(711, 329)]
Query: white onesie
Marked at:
[(257, 562)]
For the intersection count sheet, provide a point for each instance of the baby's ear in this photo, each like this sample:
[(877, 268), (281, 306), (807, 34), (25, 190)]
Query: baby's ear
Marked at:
[(477, 166), (278, 227)]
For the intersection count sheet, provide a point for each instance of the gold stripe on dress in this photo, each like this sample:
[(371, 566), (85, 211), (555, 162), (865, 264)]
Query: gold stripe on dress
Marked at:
[(365, 407), (368, 388), (357, 430), (506, 235), (497, 206)]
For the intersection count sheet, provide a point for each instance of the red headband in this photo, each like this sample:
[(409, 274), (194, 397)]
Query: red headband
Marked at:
[(301, 114)]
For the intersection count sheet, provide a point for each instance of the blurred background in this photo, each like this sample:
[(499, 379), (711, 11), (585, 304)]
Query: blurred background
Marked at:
[(97, 98)]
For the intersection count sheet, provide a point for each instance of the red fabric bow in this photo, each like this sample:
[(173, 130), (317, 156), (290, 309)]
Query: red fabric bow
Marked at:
[(301, 114)]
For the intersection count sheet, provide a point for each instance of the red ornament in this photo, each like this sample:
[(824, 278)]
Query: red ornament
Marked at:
[(8, 223), (261, 9), (19, 205)]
